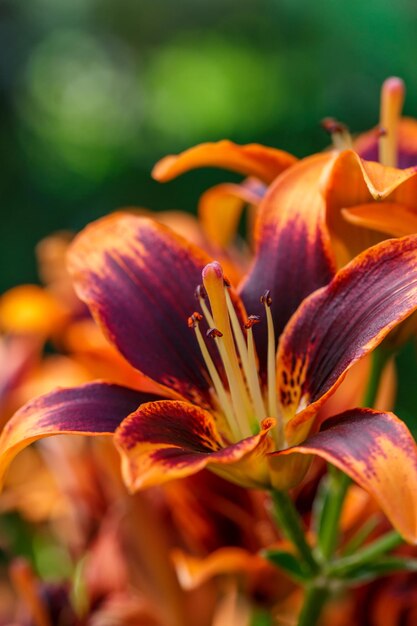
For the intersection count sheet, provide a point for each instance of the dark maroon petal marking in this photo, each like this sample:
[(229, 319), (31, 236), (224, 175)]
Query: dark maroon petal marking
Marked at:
[(92, 409), (172, 423), (172, 439), (341, 323), (293, 255), (138, 278)]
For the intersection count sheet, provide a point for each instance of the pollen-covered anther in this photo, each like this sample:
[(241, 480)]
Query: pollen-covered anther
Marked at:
[(214, 332), (266, 298), (226, 282), (251, 321), (194, 319)]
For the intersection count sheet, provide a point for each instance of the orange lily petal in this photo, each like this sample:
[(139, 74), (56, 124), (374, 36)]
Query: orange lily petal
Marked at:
[(341, 323), (290, 227), (350, 182), (91, 409), (220, 209), (172, 439), (378, 452), (394, 220), (193, 572), (251, 160), (138, 279)]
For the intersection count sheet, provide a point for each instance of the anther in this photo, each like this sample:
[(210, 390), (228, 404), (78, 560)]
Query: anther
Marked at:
[(251, 321), (339, 133), (226, 282), (266, 298), (200, 292), (214, 332), (194, 319), (332, 126)]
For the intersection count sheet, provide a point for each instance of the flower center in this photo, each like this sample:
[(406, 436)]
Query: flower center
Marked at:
[(243, 401), (392, 100)]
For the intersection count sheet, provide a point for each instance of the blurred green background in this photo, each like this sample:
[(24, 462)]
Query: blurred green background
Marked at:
[(93, 92)]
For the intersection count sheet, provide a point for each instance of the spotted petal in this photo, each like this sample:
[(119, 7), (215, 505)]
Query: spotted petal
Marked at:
[(339, 324), (293, 253), (138, 279), (378, 452), (91, 409), (171, 439), (251, 160)]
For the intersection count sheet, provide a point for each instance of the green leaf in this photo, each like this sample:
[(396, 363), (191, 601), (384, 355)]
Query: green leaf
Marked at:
[(289, 563), (382, 567)]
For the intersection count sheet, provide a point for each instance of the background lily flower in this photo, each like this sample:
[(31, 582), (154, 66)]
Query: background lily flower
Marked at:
[(220, 207), (138, 279), (394, 141)]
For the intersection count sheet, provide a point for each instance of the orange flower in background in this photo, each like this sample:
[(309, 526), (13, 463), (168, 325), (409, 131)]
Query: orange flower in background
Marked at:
[(220, 207), (366, 196)]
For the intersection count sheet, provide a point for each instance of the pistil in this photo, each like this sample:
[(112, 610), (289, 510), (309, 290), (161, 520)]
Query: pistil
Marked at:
[(248, 364), (213, 280), (392, 100)]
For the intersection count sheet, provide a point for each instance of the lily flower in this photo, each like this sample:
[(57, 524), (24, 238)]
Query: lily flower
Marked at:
[(231, 401), (368, 185)]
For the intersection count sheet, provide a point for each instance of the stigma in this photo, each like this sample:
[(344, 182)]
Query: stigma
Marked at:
[(392, 100), (241, 396)]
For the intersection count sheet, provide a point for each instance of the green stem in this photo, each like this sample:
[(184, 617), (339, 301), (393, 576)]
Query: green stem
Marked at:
[(291, 525), (360, 536), (329, 527), (314, 599), (367, 554)]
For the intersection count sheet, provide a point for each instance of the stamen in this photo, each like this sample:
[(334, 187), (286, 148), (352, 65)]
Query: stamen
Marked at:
[(214, 286), (392, 100), (222, 396), (251, 321), (251, 373), (213, 332), (194, 319), (266, 300), (339, 133), (200, 293)]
